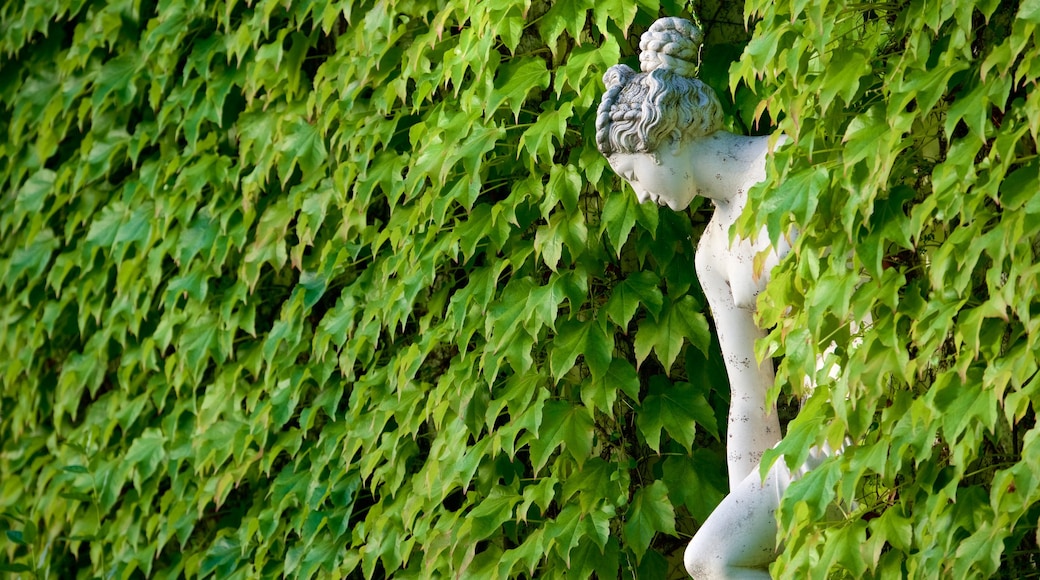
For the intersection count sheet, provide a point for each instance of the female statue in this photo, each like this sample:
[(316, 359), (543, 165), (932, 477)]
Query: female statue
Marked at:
[(660, 131)]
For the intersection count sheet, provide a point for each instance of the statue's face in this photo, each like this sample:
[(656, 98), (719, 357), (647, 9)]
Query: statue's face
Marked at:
[(664, 181)]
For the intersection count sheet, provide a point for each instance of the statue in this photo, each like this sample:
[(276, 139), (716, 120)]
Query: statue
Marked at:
[(660, 131)]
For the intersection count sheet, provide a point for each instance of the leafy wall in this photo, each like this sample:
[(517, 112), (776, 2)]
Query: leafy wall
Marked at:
[(344, 289), (913, 175), (340, 288)]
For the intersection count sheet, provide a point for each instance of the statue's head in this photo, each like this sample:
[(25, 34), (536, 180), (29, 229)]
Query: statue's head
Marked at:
[(646, 116), (665, 104)]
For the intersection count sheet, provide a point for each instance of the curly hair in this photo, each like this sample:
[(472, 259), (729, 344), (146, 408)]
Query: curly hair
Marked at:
[(640, 112)]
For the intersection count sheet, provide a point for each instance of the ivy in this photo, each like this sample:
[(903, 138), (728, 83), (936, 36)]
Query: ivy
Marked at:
[(340, 289), (910, 173)]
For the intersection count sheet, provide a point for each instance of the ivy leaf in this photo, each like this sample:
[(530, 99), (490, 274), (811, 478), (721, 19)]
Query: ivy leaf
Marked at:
[(538, 138), (602, 393), (515, 80), (843, 75), (1019, 188), (621, 12), (697, 482), (146, 452), (562, 424), (104, 229), (34, 191), (222, 557), (618, 219), (860, 135), (887, 223), (677, 409), (303, 146), (638, 288), (569, 16), (894, 528), (199, 236), (489, 515), (796, 199), (1029, 11), (587, 338), (562, 229), (597, 480), (649, 513), (678, 321), (117, 77), (575, 72), (564, 185)]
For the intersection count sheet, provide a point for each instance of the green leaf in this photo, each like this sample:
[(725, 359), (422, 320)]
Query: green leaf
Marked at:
[(34, 191), (795, 200), (1029, 11), (888, 223), (551, 125), (569, 16), (895, 528), (562, 230), (598, 481), (601, 393), (618, 219), (698, 482), (587, 338), (564, 185), (843, 76), (489, 515), (117, 78), (620, 11), (678, 321), (562, 424), (566, 531), (649, 513), (516, 80), (303, 146), (104, 229), (222, 557), (1019, 188), (29, 532), (146, 452), (677, 409), (638, 288)]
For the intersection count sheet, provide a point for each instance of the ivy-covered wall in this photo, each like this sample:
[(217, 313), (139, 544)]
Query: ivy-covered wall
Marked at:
[(330, 289), (340, 288), (913, 176)]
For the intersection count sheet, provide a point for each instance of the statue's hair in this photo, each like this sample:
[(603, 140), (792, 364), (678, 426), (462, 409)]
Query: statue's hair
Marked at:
[(640, 112)]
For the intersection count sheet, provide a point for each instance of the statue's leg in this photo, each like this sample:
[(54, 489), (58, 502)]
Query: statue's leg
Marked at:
[(738, 540)]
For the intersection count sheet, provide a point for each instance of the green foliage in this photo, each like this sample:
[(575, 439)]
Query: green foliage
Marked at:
[(339, 289), (911, 172)]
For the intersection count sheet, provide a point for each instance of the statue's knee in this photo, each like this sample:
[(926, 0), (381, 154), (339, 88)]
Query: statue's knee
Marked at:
[(702, 562)]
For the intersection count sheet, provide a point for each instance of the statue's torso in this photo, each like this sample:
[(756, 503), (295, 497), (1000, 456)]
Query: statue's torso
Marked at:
[(734, 264)]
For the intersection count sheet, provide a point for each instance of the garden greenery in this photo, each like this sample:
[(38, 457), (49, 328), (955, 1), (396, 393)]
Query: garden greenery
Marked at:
[(329, 289), (912, 173), (338, 288)]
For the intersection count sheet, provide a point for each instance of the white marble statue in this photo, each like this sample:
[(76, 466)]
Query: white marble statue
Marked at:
[(660, 131)]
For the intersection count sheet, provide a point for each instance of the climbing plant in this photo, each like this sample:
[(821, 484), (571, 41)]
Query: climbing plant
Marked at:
[(344, 289), (341, 289), (911, 173)]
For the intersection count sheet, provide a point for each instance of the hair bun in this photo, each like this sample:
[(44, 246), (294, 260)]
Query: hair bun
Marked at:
[(672, 44), (618, 75)]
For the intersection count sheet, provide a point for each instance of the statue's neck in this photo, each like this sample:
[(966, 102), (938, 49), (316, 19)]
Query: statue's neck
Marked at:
[(728, 165)]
